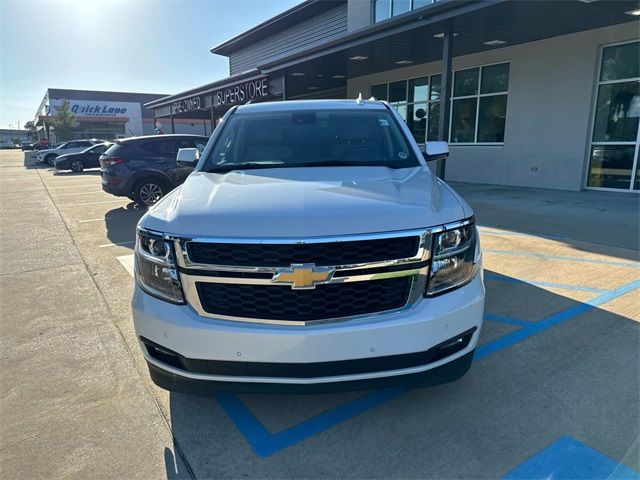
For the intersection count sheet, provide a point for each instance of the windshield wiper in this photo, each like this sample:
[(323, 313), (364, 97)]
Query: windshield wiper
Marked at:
[(242, 166), (329, 163)]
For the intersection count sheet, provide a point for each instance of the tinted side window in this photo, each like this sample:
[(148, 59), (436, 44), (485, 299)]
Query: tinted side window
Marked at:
[(159, 147), (70, 145), (84, 144)]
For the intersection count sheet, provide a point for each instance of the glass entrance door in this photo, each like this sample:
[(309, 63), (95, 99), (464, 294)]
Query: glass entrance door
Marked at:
[(613, 162)]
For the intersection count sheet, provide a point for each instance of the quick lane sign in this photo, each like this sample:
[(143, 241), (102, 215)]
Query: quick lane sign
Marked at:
[(241, 92), (187, 105)]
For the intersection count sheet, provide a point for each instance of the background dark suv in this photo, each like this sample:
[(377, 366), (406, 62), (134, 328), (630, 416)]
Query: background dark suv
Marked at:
[(144, 168)]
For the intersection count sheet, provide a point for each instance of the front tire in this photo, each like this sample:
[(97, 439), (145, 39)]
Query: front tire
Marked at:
[(149, 192), (50, 160), (76, 166)]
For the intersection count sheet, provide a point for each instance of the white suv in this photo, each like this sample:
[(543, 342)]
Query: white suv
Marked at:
[(49, 155), (311, 249)]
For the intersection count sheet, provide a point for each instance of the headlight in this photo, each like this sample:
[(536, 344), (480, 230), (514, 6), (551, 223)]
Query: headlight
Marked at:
[(455, 259), (155, 267)]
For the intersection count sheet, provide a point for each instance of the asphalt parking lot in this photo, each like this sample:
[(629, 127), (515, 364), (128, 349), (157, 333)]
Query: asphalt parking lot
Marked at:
[(554, 391)]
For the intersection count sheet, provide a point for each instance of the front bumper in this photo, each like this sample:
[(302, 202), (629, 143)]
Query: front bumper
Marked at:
[(432, 322)]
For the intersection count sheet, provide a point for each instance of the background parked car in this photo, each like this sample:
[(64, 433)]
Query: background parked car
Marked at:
[(49, 155), (87, 158), (144, 168), (26, 146)]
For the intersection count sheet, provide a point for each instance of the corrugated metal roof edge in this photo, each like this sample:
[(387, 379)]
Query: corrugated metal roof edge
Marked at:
[(303, 10)]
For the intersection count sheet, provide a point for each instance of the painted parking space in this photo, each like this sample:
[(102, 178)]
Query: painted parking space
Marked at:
[(560, 318), (504, 331)]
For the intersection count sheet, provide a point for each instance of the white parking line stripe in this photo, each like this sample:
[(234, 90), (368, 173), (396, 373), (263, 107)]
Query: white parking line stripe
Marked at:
[(78, 193), (116, 244), (93, 220), (88, 185), (127, 263), (90, 203)]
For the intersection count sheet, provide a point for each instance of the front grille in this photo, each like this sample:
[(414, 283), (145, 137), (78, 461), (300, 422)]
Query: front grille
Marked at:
[(276, 302), (283, 255)]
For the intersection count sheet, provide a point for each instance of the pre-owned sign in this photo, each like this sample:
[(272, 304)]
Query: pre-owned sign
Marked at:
[(241, 92), (187, 105)]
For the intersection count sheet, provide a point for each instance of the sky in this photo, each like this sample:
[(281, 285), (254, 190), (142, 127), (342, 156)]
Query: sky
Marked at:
[(149, 46)]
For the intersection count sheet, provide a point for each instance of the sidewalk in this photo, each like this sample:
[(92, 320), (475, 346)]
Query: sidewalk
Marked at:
[(606, 218), (73, 403)]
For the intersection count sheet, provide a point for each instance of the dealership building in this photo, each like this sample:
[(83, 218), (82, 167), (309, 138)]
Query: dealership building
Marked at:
[(528, 93), (108, 115)]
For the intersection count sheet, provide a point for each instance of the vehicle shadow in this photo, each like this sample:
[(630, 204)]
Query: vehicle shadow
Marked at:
[(587, 220), (85, 173), (580, 374), (121, 224), (30, 160)]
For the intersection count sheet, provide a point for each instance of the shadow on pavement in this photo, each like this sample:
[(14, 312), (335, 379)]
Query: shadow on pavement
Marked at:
[(579, 377), (585, 220), (85, 173), (121, 223)]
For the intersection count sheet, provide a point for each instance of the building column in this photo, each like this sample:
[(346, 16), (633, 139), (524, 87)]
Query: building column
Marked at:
[(445, 92), (173, 126), (213, 119), (284, 86)]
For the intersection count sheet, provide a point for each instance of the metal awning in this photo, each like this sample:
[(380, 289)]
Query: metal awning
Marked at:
[(412, 37)]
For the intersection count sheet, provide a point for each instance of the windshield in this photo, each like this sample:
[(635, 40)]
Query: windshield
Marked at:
[(311, 138), (96, 148), (62, 145)]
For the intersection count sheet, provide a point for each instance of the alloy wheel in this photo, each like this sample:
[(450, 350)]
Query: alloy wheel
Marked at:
[(150, 193), (77, 166)]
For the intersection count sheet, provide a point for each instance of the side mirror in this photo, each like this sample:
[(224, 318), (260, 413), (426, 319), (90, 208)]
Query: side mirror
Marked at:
[(188, 157), (435, 151)]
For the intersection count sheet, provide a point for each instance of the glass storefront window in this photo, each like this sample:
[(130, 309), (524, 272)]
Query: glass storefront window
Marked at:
[(617, 112), (495, 78), (418, 101), (463, 120), (613, 158), (434, 121), (402, 110), (381, 10), (400, 6), (611, 166), (436, 81), (379, 92), (620, 61), (418, 89), (492, 117), (417, 120), (398, 91), (465, 82), (481, 90)]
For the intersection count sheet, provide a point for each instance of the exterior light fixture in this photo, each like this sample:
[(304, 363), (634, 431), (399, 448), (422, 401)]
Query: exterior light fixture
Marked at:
[(298, 74), (314, 88), (493, 43), (359, 58), (635, 13), (441, 35), (403, 62), (339, 76)]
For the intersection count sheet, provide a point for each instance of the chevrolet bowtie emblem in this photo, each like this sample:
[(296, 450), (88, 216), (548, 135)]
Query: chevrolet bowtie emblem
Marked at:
[(303, 275)]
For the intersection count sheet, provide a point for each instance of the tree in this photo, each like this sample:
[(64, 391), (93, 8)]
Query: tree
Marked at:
[(30, 126), (64, 122)]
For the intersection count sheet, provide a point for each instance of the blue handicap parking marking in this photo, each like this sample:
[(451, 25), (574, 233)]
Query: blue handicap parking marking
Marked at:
[(265, 443), (567, 458)]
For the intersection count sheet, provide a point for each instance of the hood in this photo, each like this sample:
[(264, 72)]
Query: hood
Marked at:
[(304, 202), (47, 150)]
